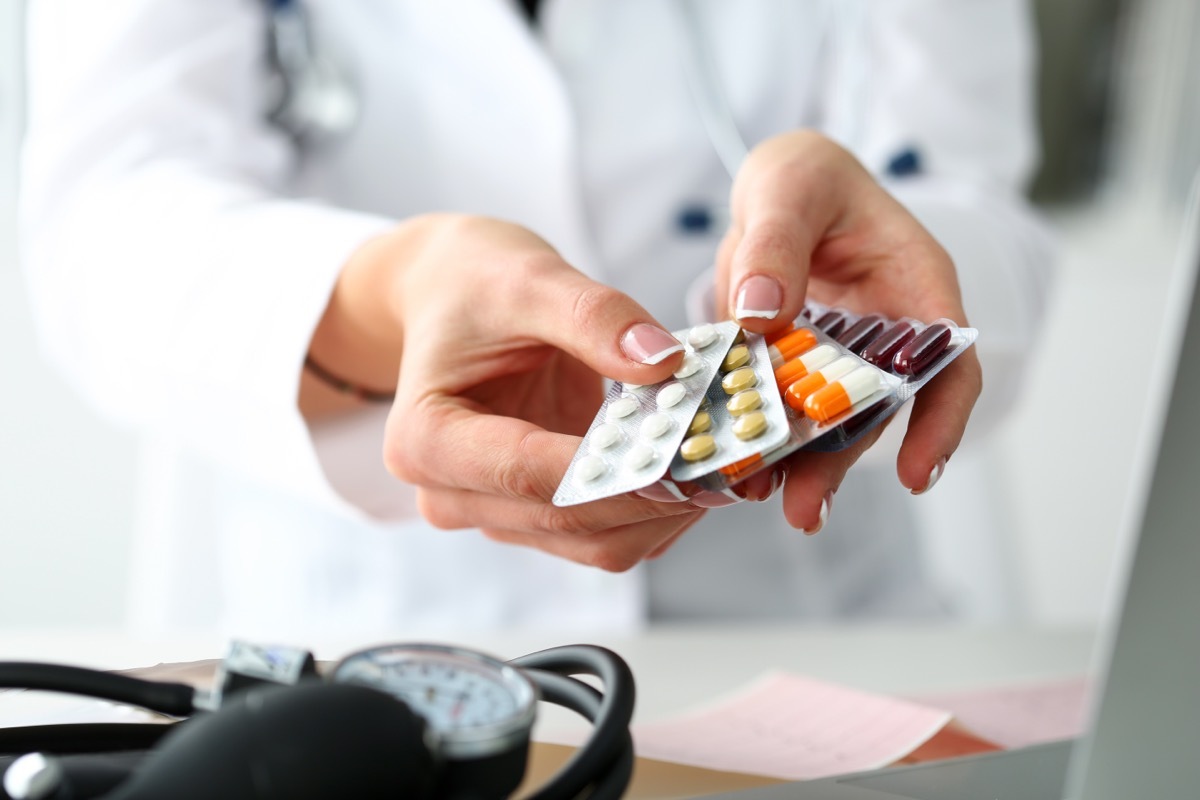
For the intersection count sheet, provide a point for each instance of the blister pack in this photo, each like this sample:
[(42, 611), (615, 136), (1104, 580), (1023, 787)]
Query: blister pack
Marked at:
[(743, 414), (741, 402), (638, 429), (840, 375)]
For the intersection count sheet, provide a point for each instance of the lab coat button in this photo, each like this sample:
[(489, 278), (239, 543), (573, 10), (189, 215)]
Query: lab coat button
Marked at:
[(694, 220), (905, 163)]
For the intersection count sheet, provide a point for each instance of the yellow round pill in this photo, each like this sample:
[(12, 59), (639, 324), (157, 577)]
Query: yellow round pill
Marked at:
[(744, 402), (738, 356), (698, 448), (750, 426), (739, 380), (700, 423)]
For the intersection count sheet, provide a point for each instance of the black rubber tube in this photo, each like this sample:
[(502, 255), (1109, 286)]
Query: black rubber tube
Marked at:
[(605, 762), (603, 766), (176, 699)]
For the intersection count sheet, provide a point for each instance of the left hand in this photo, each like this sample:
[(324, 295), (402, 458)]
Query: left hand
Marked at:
[(808, 219)]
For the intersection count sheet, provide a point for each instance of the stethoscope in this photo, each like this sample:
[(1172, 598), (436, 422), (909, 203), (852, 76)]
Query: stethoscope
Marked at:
[(313, 98), (415, 720)]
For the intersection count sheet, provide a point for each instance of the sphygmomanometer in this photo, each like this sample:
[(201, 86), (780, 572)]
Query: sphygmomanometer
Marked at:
[(403, 720)]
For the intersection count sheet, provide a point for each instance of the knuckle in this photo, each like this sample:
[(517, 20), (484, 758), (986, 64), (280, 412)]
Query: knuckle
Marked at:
[(977, 384), (517, 480), (498, 535), (403, 453), (770, 242), (399, 463), (533, 268), (438, 514), (611, 560), (946, 409), (592, 305), (454, 224), (563, 521)]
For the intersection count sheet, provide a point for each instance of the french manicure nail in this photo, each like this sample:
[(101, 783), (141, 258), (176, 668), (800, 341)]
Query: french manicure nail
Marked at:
[(777, 477), (759, 297), (823, 517), (934, 475), (649, 344)]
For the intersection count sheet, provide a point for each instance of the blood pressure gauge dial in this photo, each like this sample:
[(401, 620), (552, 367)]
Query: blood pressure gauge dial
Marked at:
[(475, 706)]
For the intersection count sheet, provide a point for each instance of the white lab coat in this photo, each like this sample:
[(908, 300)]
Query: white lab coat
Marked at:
[(180, 250)]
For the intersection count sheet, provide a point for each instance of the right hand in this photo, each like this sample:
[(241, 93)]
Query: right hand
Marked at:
[(500, 347)]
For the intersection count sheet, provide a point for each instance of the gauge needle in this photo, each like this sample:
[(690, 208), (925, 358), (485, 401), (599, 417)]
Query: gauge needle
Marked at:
[(458, 705)]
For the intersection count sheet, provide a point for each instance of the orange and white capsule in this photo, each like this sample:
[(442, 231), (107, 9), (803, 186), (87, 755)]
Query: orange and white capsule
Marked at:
[(804, 364), (772, 338), (836, 398), (785, 349), (798, 392)]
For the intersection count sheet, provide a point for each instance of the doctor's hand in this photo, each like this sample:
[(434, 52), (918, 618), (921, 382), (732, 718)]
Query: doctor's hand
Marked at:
[(809, 220), (499, 346)]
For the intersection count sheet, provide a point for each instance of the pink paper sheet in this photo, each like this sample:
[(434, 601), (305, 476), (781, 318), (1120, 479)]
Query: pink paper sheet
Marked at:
[(1017, 716), (792, 727), (787, 726)]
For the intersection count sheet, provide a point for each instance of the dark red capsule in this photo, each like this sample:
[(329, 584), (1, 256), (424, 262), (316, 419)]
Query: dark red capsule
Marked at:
[(881, 351), (865, 418), (832, 322), (806, 312), (924, 349), (862, 333)]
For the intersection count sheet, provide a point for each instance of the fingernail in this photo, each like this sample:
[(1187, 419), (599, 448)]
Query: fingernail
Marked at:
[(720, 499), (935, 474), (759, 297), (649, 344), (823, 517), (777, 477)]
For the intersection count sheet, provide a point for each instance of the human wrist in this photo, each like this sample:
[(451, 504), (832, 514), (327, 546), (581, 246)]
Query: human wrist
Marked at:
[(355, 350)]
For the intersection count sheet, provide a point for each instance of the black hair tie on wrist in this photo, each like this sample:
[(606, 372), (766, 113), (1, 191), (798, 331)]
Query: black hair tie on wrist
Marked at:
[(346, 387)]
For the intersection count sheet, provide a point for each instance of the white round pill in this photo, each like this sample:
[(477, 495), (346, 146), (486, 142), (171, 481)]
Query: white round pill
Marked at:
[(690, 366), (632, 387), (621, 408), (656, 425), (639, 456), (702, 336), (589, 468), (605, 436), (670, 395)]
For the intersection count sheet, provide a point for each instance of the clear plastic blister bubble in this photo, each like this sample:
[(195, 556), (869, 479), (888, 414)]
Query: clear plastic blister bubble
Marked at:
[(743, 416), (638, 429)]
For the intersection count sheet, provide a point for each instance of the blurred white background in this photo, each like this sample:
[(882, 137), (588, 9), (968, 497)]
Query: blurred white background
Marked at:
[(1121, 106), (66, 478)]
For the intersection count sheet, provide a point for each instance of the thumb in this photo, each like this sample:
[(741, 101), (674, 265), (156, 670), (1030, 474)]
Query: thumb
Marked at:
[(769, 252), (600, 326), (790, 192)]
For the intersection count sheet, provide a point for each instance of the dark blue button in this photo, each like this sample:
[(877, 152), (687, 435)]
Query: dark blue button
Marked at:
[(905, 163), (695, 219)]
